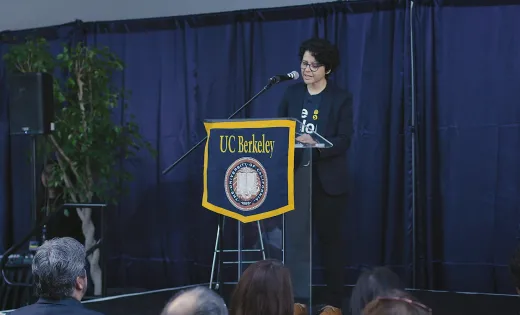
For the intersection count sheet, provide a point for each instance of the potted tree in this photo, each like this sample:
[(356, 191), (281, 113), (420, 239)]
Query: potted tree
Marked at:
[(87, 145)]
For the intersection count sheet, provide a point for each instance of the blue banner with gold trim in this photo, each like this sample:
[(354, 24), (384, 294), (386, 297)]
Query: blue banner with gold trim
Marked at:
[(249, 168)]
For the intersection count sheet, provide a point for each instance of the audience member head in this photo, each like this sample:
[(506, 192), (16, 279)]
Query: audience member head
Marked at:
[(396, 302), (264, 288), (514, 267), (319, 58), (370, 284), (59, 269), (196, 301)]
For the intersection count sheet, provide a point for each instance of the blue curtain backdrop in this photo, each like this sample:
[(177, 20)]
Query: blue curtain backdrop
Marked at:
[(467, 61), (183, 70)]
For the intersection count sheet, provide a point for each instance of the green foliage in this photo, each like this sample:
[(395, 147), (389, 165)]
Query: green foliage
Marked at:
[(87, 146), (33, 56)]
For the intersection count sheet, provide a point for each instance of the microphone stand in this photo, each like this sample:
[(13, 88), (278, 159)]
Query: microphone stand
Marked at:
[(272, 81)]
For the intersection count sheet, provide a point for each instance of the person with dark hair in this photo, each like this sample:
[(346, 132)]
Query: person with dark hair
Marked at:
[(324, 108), (196, 301), (60, 278), (371, 284), (264, 288), (396, 302), (514, 267), (64, 224)]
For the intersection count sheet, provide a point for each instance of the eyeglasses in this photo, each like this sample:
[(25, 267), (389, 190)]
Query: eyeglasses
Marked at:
[(312, 66), (406, 300)]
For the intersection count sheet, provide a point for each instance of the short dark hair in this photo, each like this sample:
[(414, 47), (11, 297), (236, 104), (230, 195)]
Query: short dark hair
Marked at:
[(265, 288), (514, 267), (324, 51), (207, 303), (370, 284)]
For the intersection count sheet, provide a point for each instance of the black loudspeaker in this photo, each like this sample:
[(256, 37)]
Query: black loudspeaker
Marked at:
[(31, 103)]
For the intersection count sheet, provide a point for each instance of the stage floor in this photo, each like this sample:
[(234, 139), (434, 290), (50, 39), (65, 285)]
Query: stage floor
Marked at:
[(442, 303)]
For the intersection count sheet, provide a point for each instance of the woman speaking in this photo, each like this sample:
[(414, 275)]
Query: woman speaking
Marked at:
[(326, 109)]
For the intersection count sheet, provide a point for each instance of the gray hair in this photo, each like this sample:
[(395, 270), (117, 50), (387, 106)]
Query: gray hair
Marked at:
[(196, 301), (56, 265)]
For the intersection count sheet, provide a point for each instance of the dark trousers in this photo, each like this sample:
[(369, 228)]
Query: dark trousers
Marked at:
[(327, 219)]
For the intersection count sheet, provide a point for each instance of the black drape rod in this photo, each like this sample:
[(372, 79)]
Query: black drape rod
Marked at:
[(413, 145)]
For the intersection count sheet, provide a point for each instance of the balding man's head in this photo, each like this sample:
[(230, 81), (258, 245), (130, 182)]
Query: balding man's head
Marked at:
[(197, 301)]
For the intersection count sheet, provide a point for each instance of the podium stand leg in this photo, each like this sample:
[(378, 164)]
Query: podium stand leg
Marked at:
[(218, 250), (218, 240), (297, 247)]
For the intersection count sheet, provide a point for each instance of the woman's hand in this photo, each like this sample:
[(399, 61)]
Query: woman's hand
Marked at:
[(306, 139)]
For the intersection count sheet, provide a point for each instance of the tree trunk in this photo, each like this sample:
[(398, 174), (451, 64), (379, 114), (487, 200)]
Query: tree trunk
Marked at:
[(89, 230)]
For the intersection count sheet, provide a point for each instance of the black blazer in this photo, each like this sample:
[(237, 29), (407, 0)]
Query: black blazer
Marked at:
[(66, 306), (337, 127)]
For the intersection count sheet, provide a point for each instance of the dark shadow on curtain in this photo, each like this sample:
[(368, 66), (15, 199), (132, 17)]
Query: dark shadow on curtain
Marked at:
[(469, 144)]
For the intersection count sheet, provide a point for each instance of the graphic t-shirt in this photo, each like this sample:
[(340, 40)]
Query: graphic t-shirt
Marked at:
[(309, 117), (310, 113)]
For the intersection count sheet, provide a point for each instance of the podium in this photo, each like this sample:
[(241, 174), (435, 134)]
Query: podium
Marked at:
[(297, 225), (254, 169)]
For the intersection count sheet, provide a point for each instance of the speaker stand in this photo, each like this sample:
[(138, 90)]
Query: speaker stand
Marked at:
[(35, 240), (34, 203)]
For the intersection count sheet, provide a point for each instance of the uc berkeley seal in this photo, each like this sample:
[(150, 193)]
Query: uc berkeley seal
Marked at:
[(246, 184)]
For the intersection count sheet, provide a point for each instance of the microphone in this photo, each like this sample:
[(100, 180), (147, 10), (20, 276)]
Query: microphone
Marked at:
[(294, 75)]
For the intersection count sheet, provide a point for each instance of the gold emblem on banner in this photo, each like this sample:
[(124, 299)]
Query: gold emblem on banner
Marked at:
[(246, 184)]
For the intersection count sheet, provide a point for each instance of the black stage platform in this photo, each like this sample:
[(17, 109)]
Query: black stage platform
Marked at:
[(442, 303)]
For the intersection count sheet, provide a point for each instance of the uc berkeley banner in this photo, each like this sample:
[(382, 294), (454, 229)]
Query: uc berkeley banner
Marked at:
[(248, 168)]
